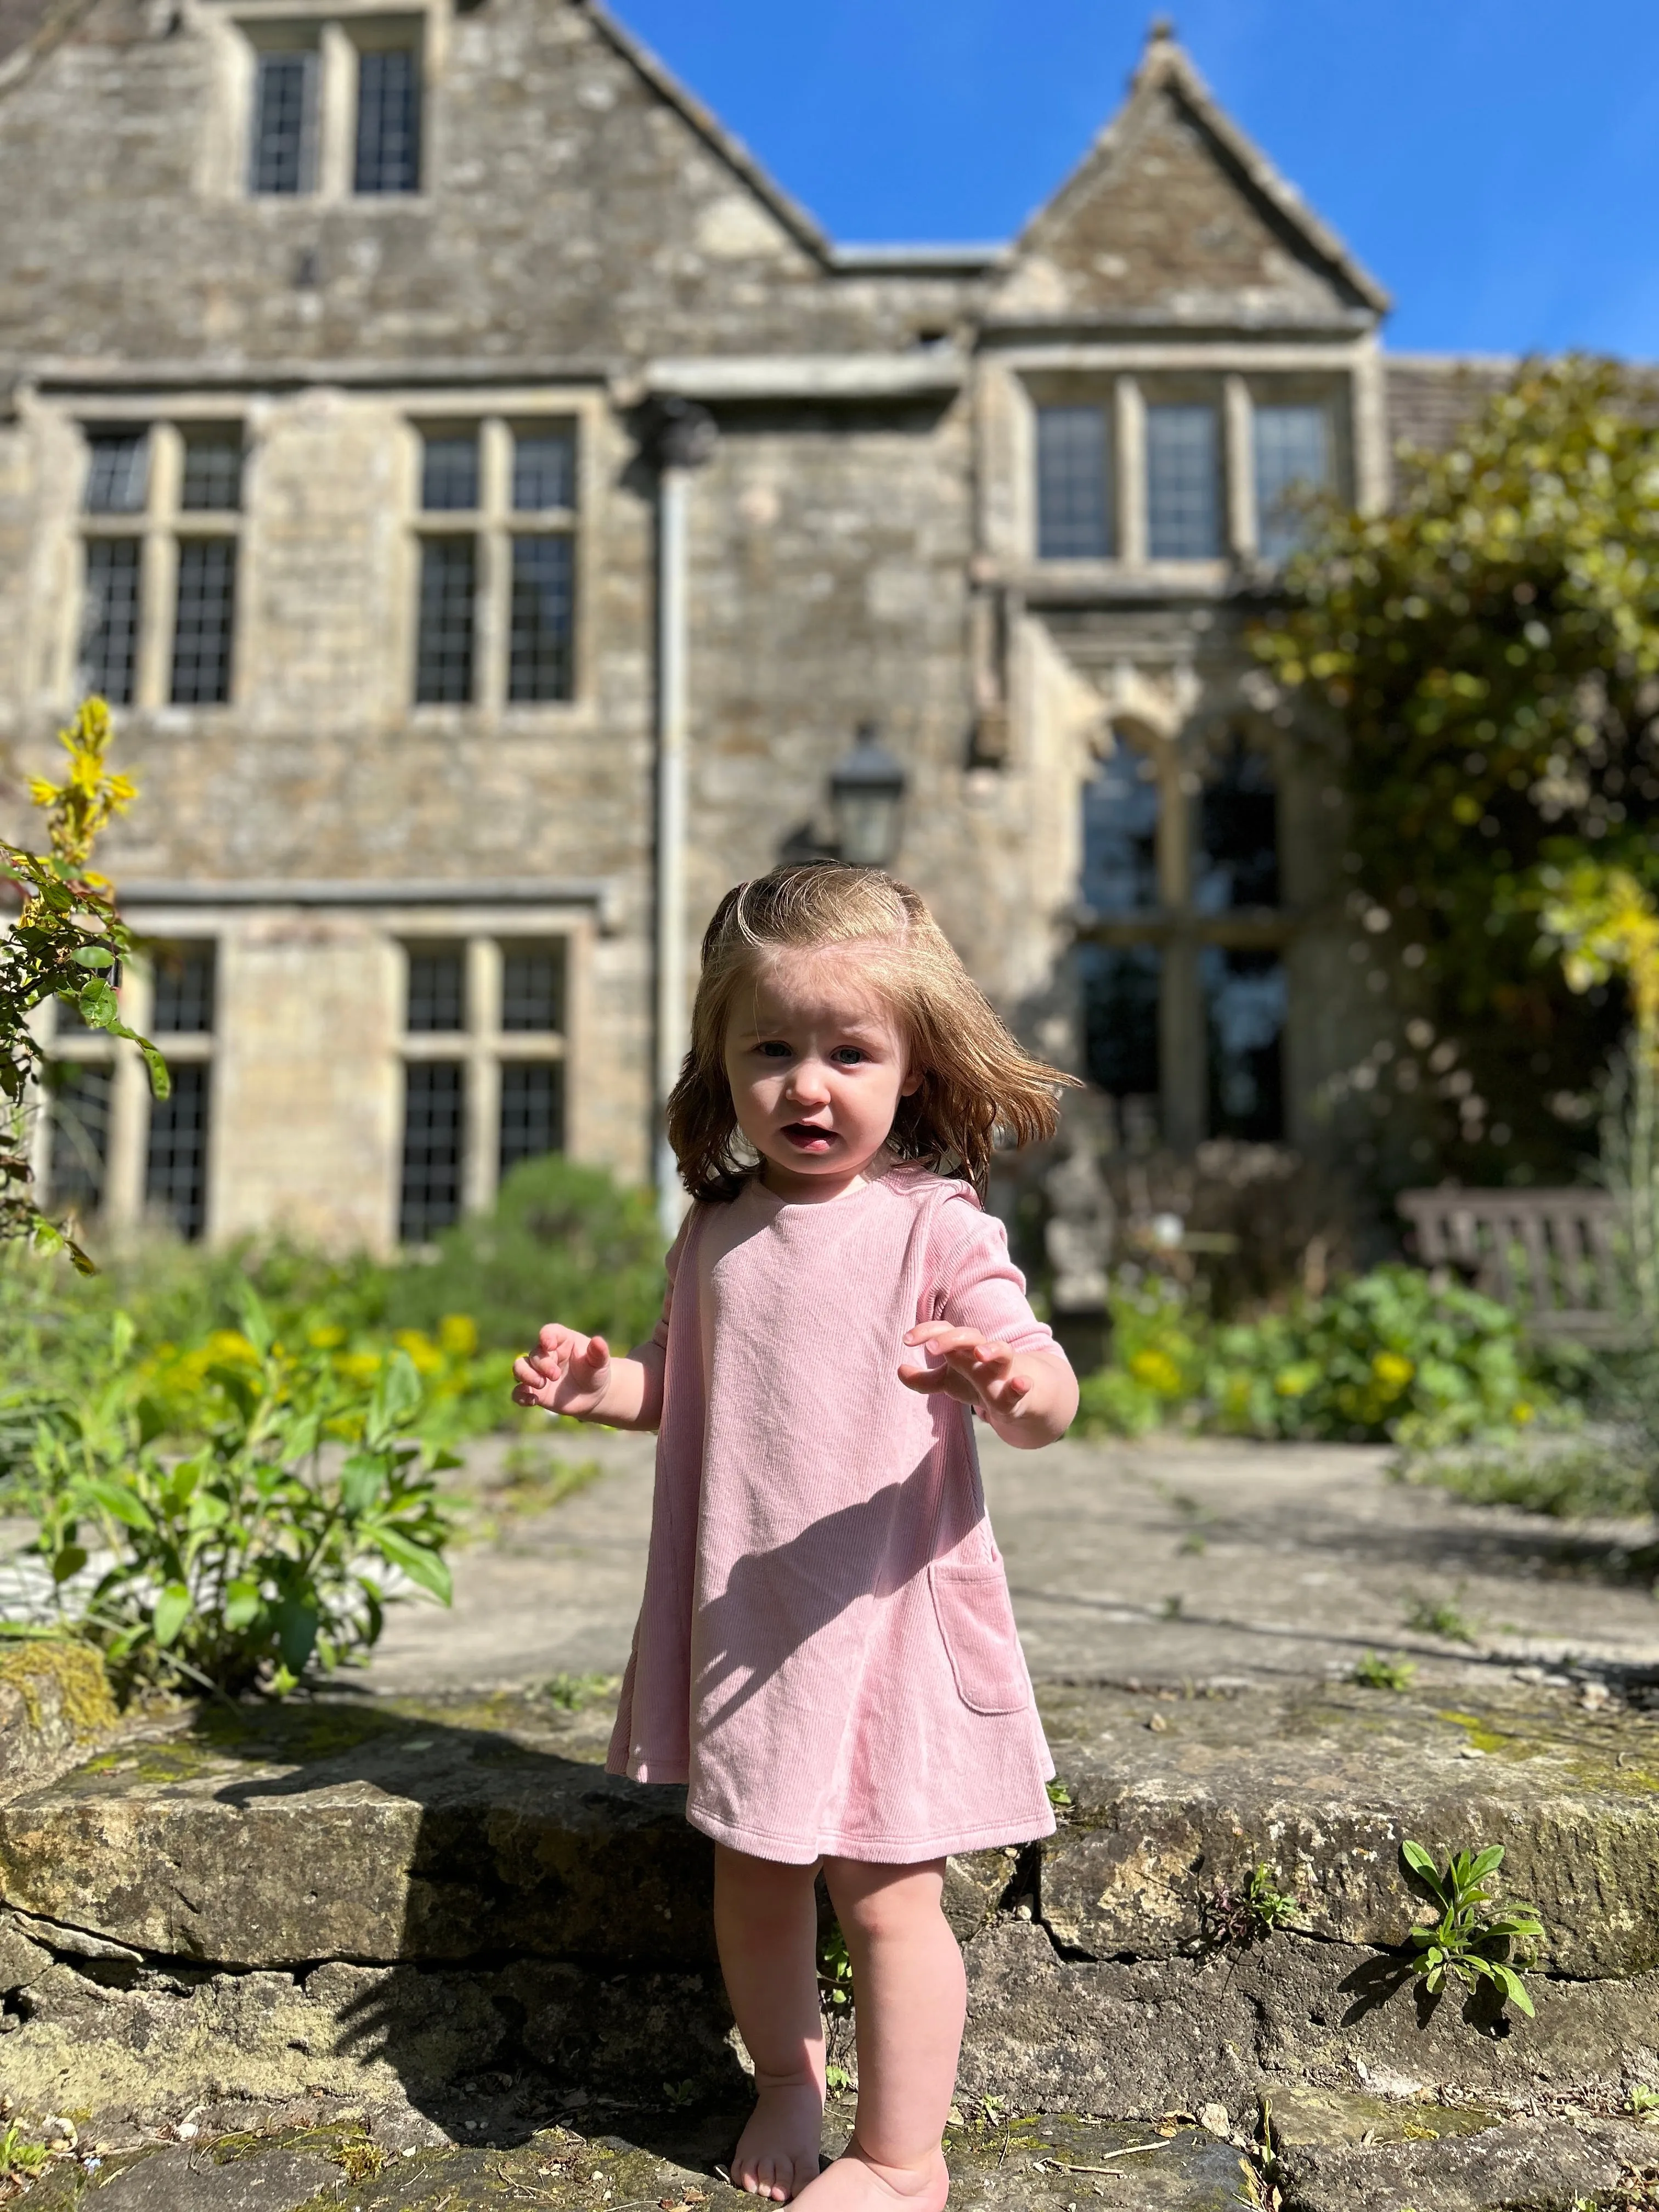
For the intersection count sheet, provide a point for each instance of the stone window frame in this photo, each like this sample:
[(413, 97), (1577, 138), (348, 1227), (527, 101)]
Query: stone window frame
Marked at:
[(1179, 929), (158, 528), (482, 1046), (494, 526), (338, 36), (126, 1203), (1235, 386)]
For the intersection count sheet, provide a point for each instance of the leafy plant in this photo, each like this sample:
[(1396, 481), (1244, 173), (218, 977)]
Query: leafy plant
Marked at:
[(835, 1971), (264, 1549), (1250, 1914), (1431, 1616), (20, 2158), (67, 943), (1372, 1672), (1642, 2102), (1574, 1480), (362, 2158), (570, 1692), (1467, 1942)]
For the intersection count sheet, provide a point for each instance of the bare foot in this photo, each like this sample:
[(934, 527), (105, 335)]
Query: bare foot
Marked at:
[(856, 2182), (777, 2154)]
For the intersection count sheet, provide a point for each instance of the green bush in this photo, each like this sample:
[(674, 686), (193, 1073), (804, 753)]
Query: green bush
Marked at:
[(563, 1243), (1390, 1356), (261, 1549)]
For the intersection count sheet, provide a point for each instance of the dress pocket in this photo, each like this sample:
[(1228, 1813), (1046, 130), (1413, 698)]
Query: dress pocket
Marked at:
[(977, 1624)]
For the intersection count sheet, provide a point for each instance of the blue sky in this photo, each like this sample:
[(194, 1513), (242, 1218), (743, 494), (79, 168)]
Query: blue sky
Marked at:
[(1494, 162)]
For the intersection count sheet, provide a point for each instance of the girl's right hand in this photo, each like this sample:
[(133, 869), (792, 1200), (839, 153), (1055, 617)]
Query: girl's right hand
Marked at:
[(565, 1374)]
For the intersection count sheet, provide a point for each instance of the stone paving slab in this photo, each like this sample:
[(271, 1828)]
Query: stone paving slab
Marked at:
[(1167, 1560)]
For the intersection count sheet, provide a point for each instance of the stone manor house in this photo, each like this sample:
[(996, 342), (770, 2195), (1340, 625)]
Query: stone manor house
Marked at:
[(494, 508)]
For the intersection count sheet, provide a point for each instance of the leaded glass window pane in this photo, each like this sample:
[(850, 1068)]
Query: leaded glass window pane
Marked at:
[(1244, 1006), (437, 987), (1120, 835), (1237, 857), (544, 470), (78, 1146), (533, 1110), (284, 111), (205, 618), (539, 665), (1293, 463), (532, 988), (443, 672), (212, 471), (109, 635), (1121, 986), (434, 1118), (184, 989), (118, 475), (1183, 482), (449, 471), (1074, 505), (175, 1166), (388, 122)]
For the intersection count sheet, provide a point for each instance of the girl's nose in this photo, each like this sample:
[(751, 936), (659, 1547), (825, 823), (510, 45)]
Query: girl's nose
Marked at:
[(807, 1084)]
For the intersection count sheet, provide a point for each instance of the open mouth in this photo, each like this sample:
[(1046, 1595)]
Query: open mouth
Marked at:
[(808, 1137)]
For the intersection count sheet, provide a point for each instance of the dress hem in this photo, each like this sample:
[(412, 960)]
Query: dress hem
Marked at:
[(871, 1850)]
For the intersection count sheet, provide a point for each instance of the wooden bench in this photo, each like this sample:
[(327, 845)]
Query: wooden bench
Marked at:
[(1557, 1256)]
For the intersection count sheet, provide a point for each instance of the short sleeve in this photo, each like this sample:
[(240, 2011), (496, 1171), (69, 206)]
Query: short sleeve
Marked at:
[(975, 1283), (675, 1250)]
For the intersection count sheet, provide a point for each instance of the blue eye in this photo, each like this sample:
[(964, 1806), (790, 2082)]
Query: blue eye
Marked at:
[(774, 1048), (849, 1054)]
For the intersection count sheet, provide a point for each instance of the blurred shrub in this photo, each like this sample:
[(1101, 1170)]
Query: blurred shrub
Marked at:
[(1393, 1356)]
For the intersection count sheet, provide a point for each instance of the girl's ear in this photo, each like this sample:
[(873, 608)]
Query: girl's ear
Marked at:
[(912, 1083)]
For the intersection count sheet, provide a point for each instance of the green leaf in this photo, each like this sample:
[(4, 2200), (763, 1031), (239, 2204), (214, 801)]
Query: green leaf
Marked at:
[(67, 1562), (296, 1632), (420, 1563), (93, 955), (172, 1611), (396, 1393), (243, 1602), (362, 1478), (122, 1503), (1417, 1862), (1514, 1988)]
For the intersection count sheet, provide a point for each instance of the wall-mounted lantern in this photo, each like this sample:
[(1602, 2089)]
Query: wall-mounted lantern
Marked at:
[(866, 792)]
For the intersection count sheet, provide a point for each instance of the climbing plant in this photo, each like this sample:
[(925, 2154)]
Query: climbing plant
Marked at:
[(1489, 648), (66, 942)]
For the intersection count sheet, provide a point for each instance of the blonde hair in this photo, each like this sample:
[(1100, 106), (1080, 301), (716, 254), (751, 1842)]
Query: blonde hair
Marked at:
[(977, 1083)]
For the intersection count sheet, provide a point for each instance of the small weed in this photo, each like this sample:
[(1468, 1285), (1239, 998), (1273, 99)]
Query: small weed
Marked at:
[(1058, 1793), (1440, 1617), (1467, 1942), (836, 1972), (1251, 1914), (1642, 2102), (570, 1692), (1171, 1607), (1373, 1672), (680, 2093), (836, 2077), (534, 1481), (362, 2159), (1191, 1542), (20, 2160)]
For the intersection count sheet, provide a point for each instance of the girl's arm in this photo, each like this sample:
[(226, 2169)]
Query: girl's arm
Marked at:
[(570, 1373), (1030, 1398)]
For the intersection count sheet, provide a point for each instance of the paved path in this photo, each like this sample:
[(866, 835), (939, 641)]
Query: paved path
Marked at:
[(1159, 1562)]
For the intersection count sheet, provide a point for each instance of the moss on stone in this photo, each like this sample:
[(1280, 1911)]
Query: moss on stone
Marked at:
[(66, 1674)]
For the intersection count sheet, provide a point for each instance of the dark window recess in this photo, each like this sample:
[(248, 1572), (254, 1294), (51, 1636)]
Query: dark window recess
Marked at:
[(433, 1095), (1244, 1000), (449, 472), (532, 988), (544, 470), (1183, 483), (1120, 988), (437, 988), (443, 671), (388, 122), (109, 635), (118, 474), (175, 1166), (1120, 836), (1238, 835), (206, 613), (183, 999), (281, 157), (1074, 505), (544, 610), (533, 1110), (78, 1154), (1292, 466), (213, 472)]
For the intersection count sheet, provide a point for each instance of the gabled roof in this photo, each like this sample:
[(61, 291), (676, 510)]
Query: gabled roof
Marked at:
[(725, 143), (1128, 188)]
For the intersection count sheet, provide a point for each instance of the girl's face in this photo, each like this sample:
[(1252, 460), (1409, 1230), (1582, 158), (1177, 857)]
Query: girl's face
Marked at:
[(817, 1066)]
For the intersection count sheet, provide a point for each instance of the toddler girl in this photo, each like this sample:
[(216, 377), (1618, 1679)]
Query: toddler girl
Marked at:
[(826, 1652)]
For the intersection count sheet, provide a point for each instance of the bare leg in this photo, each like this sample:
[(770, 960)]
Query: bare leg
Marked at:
[(766, 1925), (911, 1997)]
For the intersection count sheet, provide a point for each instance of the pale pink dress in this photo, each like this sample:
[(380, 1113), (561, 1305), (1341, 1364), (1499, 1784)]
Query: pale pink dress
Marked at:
[(826, 1652)]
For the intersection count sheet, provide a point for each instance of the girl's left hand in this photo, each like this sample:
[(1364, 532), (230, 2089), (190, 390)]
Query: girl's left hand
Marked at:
[(977, 1369)]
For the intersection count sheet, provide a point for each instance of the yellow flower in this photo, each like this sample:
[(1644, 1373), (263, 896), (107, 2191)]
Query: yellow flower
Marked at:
[(1158, 1372), (1393, 1370), (424, 1354), (1523, 1411), (459, 1335), (1296, 1382), (325, 1339)]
